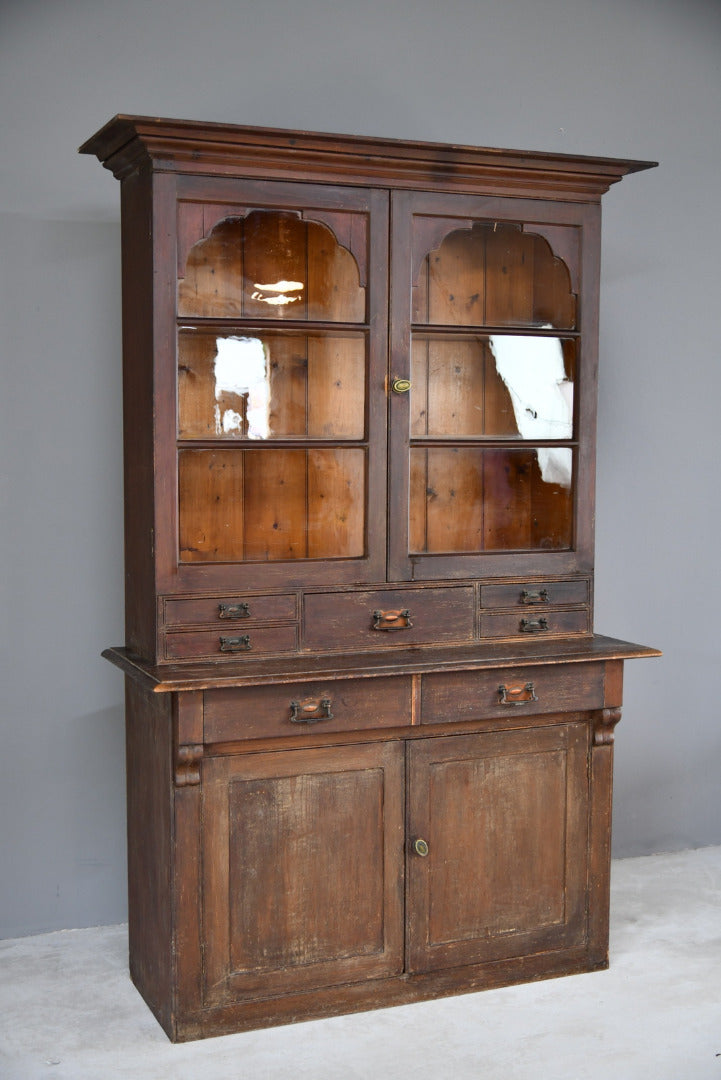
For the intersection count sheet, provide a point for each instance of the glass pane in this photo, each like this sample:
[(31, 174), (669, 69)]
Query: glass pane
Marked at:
[(267, 505), (259, 385), (494, 275), (271, 265), (500, 386), (468, 499)]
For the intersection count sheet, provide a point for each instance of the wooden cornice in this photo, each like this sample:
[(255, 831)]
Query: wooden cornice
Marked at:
[(126, 143)]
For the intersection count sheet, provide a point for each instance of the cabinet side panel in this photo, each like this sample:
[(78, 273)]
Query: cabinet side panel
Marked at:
[(600, 851), (137, 256), (586, 407), (149, 795)]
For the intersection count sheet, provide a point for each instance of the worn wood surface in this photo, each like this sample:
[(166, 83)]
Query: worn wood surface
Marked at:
[(370, 730)]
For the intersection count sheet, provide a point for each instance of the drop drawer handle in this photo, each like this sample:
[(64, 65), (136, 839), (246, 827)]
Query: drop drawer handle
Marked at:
[(516, 695), (235, 644), (233, 611), (533, 626), (534, 596), (392, 620), (310, 713)]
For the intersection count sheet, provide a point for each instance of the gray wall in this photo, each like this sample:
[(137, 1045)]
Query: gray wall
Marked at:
[(634, 78)]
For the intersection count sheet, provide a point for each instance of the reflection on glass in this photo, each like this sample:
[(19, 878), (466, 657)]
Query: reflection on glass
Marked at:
[(273, 264), (502, 387), (270, 385), (277, 294), (534, 373), (241, 368)]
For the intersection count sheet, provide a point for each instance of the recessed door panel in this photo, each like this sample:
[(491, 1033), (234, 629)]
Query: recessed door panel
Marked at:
[(302, 869), (504, 819)]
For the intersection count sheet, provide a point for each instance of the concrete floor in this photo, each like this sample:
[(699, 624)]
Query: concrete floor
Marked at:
[(69, 1012)]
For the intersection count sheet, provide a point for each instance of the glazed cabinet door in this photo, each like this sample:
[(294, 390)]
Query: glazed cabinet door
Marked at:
[(498, 861), (303, 881), (492, 385), (276, 378)]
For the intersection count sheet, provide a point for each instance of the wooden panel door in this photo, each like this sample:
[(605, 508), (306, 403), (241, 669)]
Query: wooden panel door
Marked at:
[(303, 875), (500, 820)]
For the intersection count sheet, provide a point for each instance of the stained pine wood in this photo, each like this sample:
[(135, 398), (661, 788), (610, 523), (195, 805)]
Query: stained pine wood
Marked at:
[(212, 505), (267, 711), (227, 611), (504, 816), (345, 620), (359, 612), (324, 902), (336, 387), (231, 641)]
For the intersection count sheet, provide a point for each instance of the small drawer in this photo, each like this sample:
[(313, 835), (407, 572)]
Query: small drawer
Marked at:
[(260, 712), (378, 618), (233, 643), (447, 697), (539, 624), (225, 610), (535, 594)]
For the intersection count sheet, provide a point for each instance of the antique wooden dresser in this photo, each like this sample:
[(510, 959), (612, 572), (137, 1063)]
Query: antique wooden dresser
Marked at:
[(369, 725)]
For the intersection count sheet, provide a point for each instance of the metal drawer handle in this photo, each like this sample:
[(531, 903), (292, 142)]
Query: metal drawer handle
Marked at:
[(420, 846), (392, 620), (534, 596), (533, 626), (233, 611), (235, 644), (516, 695), (310, 713)]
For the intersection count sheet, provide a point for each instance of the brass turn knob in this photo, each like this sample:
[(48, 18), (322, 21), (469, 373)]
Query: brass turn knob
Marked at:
[(400, 386), (420, 847)]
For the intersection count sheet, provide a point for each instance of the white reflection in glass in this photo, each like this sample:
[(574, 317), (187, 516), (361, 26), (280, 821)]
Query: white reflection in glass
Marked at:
[(277, 293), (542, 397), (241, 368)]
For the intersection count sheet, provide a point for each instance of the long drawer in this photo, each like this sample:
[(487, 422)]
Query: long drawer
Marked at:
[(258, 712), (379, 618), (533, 690)]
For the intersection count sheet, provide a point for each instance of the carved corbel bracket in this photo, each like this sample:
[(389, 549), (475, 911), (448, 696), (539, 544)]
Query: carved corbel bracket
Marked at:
[(604, 721), (187, 764)]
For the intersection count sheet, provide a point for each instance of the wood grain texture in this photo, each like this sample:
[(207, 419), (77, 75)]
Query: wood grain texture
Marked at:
[(505, 818), (189, 146), (369, 728), (302, 883)]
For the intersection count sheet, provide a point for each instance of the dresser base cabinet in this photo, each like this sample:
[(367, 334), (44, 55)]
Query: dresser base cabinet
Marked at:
[(313, 871)]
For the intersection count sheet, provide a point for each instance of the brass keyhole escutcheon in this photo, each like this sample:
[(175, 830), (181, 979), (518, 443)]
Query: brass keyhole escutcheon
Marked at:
[(420, 847), (400, 386)]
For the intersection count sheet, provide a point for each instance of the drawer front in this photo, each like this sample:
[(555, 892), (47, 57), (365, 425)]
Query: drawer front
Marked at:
[(231, 643), (226, 610), (379, 618), (529, 624), (539, 594), (260, 712), (448, 697)]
